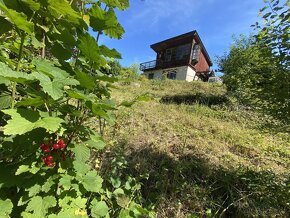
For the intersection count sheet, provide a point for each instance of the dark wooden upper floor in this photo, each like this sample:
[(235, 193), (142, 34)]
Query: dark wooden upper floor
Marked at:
[(183, 50)]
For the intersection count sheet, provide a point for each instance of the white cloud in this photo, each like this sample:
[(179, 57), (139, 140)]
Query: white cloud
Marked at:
[(152, 13)]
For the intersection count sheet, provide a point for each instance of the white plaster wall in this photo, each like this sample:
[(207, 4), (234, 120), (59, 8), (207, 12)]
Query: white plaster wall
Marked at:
[(182, 73)]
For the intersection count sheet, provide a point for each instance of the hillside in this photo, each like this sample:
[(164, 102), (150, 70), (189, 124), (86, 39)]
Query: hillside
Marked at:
[(196, 152)]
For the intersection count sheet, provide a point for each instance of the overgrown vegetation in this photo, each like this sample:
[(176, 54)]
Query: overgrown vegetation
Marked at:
[(256, 70), (202, 157), (51, 87)]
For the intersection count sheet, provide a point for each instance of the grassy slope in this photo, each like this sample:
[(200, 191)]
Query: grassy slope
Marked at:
[(205, 158)]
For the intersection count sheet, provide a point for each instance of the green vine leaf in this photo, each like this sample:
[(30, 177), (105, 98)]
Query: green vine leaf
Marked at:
[(34, 6), (89, 48), (12, 75), (39, 206), (23, 121), (92, 182), (86, 80), (99, 208), (82, 153), (6, 208), (19, 19), (60, 8)]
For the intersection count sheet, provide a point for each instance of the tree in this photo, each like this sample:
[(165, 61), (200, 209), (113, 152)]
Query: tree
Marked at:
[(256, 77), (257, 69)]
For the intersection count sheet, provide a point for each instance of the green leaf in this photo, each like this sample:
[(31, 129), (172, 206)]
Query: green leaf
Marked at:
[(111, 53), (62, 8), (39, 206), (6, 208), (96, 142), (86, 80), (19, 19), (120, 4), (23, 121), (81, 168), (60, 52), (5, 25), (89, 48), (22, 169), (65, 181), (5, 101), (34, 6), (82, 153), (34, 190), (92, 182), (99, 208), (12, 75), (38, 101), (36, 43), (54, 87)]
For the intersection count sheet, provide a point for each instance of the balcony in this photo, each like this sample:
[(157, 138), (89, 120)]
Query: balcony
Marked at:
[(159, 64), (148, 65)]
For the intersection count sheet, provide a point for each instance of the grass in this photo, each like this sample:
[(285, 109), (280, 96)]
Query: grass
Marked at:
[(203, 154)]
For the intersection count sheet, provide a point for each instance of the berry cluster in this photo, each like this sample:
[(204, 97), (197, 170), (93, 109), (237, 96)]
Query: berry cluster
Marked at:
[(52, 147)]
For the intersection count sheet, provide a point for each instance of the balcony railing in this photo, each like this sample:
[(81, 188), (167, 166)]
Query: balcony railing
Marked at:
[(148, 65), (159, 64)]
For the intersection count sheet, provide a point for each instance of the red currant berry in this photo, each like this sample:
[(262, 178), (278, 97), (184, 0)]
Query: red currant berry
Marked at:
[(61, 143), (49, 158), (44, 148), (56, 146), (49, 164)]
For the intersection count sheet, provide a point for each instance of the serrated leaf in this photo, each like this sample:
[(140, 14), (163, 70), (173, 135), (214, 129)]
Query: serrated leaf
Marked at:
[(19, 19), (5, 101), (96, 142), (38, 101), (39, 206), (22, 169), (99, 208), (6, 208), (60, 52), (89, 48), (23, 121), (34, 6), (34, 190), (82, 153), (12, 75), (36, 43), (63, 8), (111, 53), (65, 181), (86, 80), (92, 182), (81, 168)]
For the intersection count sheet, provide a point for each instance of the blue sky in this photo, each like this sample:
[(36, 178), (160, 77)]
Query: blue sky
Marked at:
[(150, 21)]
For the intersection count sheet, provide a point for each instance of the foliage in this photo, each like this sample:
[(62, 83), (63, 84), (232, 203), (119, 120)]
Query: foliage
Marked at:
[(257, 69), (51, 87), (273, 31), (256, 77)]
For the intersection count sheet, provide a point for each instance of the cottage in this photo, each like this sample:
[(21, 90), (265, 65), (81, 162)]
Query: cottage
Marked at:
[(183, 57)]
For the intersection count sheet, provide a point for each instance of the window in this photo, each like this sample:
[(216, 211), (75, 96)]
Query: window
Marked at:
[(150, 75), (168, 55), (177, 53), (195, 54), (171, 75)]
